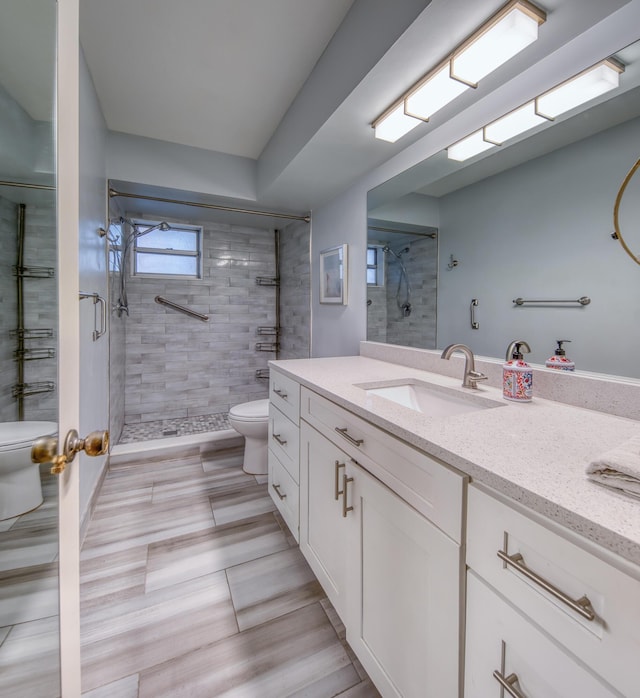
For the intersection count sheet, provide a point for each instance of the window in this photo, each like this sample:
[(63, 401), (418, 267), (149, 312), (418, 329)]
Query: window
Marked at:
[(375, 265), (167, 250)]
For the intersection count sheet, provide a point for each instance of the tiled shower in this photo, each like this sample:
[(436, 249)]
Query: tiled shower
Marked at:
[(171, 373)]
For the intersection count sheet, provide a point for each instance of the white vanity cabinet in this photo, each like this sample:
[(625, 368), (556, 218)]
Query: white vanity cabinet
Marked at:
[(393, 575), (553, 610), (284, 447)]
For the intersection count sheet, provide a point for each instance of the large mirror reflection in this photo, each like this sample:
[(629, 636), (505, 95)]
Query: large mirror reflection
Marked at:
[(533, 220), (29, 637)]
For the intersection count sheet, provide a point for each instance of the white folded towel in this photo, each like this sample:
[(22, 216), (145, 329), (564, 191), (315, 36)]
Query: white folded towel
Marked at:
[(619, 468)]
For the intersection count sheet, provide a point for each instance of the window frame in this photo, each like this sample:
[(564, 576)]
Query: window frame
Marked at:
[(138, 248), (379, 266)]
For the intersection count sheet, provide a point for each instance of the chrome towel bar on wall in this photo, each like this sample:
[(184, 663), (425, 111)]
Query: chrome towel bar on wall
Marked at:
[(584, 300), (97, 333)]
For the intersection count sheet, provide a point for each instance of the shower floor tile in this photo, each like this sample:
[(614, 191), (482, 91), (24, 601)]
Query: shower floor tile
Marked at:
[(164, 428)]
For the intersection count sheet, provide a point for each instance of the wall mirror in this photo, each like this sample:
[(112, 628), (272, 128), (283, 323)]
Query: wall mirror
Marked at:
[(532, 220), (29, 638)]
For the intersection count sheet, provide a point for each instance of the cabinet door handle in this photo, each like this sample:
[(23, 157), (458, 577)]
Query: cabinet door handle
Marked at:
[(277, 491), (582, 605), (338, 491), (348, 437), (280, 393), (282, 442), (345, 482), (507, 682)]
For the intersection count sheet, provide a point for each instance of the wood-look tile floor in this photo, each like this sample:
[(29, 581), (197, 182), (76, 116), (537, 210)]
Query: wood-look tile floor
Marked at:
[(192, 585)]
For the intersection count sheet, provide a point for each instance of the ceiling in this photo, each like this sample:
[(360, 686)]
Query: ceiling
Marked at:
[(213, 74)]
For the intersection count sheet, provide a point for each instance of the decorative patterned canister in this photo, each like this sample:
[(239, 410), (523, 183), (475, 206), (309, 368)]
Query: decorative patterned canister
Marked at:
[(517, 376)]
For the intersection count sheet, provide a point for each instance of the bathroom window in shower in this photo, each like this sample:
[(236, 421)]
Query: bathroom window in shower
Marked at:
[(375, 265), (164, 250)]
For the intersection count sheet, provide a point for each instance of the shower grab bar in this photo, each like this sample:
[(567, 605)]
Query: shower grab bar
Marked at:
[(97, 298), (584, 300), (181, 309)]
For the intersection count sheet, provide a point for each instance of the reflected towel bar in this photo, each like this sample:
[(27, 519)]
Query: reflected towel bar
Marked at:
[(181, 309), (584, 300)]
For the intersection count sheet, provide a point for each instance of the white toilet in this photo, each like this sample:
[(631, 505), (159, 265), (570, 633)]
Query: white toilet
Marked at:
[(20, 489), (251, 419)]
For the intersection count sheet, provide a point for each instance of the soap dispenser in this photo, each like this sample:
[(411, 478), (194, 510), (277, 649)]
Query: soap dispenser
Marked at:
[(559, 360), (517, 376)]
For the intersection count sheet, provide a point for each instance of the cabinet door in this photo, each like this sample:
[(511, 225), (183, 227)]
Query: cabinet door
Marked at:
[(503, 645), (323, 529), (404, 596)]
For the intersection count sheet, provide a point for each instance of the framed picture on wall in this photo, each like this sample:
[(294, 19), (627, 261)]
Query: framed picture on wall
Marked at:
[(333, 275)]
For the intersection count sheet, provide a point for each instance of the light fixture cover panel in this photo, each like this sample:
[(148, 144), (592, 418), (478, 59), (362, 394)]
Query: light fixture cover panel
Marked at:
[(496, 46), (395, 125), (434, 94), (468, 147)]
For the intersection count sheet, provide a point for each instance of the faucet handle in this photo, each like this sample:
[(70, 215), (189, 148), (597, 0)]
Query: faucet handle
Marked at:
[(475, 376)]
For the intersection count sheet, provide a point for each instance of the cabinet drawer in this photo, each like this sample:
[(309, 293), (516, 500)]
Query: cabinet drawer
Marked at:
[(423, 482), (610, 642), (501, 640), (284, 393), (284, 441), (284, 492)]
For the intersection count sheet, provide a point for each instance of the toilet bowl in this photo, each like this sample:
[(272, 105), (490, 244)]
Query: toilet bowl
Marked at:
[(20, 489), (251, 419)]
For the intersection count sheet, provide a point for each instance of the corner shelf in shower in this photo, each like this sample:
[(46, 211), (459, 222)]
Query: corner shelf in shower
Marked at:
[(23, 389), (267, 281), (32, 334), (267, 346), (34, 354), (268, 331), (262, 374), (34, 272)]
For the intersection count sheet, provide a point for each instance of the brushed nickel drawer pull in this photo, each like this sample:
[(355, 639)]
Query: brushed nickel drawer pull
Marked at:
[(277, 490), (345, 481), (507, 682), (279, 393), (348, 437), (282, 442), (338, 491), (582, 605)]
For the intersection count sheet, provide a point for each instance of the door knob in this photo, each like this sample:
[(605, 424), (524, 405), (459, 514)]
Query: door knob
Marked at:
[(45, 449)]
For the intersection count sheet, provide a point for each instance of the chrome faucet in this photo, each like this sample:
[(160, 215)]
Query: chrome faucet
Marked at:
[(471, 376)]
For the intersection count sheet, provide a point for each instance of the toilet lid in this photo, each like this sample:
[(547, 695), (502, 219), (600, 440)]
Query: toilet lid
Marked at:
[(256, 410), (20, 434)]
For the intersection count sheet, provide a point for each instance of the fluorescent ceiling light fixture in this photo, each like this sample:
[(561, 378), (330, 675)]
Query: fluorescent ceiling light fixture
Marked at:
[(512, 124), (495, 42), (394, 124), (468, 147), (582, 88), (511, 30), (433, 94)]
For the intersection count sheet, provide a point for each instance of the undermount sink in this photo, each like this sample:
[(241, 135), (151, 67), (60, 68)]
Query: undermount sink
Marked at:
[(429, 399)]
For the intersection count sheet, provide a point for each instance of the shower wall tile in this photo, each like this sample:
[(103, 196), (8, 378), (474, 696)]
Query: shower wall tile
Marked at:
[(176, 366), (295, 292), (419, 329)]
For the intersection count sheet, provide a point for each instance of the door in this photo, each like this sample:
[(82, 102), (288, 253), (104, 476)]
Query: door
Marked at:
[(404, 594)]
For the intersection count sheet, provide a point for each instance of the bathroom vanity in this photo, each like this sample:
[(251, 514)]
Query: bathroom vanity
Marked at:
[(455, 533)]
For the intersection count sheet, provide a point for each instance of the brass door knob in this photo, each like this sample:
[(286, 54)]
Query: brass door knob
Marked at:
[(45, 449)]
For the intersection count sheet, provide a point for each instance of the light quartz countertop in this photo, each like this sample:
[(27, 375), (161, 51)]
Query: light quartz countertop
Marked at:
[(534, 453)]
